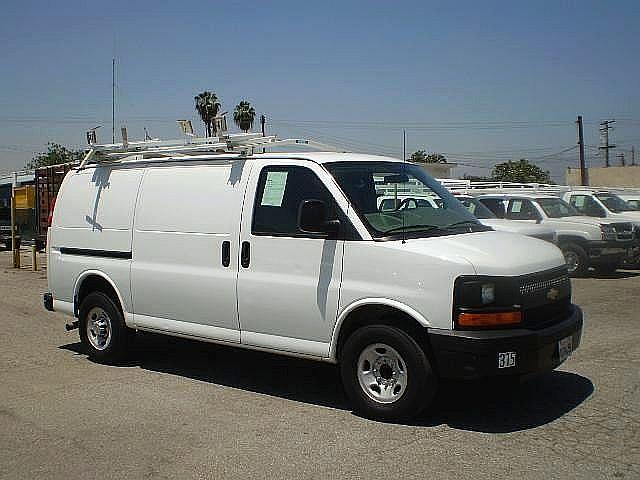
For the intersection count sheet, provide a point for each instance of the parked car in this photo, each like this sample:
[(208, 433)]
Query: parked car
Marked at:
[(487, 217), (290, 254), (585, 241), (606, 204)]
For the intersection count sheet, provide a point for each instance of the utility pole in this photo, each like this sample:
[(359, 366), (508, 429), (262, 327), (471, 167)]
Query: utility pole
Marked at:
[(633, 156), (620, 157), (113, 100), (404, 145), (583, 170), (14, 241), (604, 132), (263, 121)]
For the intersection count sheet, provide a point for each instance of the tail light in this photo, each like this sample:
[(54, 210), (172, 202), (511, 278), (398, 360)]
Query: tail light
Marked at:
[(50, 217)]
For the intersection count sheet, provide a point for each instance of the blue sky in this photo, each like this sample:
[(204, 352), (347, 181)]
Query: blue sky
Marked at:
[(481, 81)]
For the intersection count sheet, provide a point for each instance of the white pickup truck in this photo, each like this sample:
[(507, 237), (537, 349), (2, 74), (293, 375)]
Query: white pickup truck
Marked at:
[(586, 242), (387, 203)]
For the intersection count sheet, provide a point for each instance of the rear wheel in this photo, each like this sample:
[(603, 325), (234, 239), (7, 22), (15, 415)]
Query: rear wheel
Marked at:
[(576, 259), (386, 374), (102, 328)]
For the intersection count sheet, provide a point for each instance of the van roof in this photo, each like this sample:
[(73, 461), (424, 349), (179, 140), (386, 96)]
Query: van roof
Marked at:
[(530, 195), (317, 157)]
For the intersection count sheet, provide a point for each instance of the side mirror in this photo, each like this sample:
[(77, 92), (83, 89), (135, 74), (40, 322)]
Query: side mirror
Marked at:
[(312, 218)]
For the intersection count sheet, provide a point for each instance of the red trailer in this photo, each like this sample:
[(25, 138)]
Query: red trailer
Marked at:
[(48, 181)]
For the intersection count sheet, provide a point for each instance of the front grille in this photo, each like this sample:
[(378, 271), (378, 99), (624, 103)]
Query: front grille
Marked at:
[(545, 297), (624, 231), (534, 285)]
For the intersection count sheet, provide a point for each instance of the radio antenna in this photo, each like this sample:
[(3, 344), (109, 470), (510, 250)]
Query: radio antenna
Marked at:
[(404, 173)]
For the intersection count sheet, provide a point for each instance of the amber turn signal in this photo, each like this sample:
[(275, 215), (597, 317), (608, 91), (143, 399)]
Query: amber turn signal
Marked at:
[(493, 319)]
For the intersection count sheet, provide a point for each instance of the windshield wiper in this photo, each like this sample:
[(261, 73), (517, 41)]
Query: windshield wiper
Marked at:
[(466, 223), (420, 227)]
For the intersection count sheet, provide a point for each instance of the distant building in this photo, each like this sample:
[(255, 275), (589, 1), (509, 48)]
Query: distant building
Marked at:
[(438, 170), (628, 176)]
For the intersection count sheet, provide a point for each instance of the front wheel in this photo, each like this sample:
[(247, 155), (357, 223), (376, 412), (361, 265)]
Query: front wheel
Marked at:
[(576, 259), (386, 374)]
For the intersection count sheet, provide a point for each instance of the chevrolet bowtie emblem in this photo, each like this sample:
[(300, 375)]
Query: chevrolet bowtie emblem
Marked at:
[(553, 294)]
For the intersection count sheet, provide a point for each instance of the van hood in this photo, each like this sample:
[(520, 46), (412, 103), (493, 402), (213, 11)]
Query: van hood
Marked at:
[(490, 253), (523, 228)]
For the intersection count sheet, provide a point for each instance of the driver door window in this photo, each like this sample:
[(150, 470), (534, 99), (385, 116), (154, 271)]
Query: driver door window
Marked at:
[(587, 205), (522, 209), (280, 192)]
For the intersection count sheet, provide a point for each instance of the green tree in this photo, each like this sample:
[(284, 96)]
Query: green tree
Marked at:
[(207, 106), (244, 115), (421, 156), (520, 171), (55, 155)]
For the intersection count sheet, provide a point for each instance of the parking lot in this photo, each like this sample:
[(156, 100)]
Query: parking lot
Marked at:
[(181, 409)]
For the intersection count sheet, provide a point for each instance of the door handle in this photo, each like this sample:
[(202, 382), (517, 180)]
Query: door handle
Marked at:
[(245, 254), (226, 253)]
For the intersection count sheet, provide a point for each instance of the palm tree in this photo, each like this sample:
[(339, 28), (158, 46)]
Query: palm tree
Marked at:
[(207, 106), (243, 116)]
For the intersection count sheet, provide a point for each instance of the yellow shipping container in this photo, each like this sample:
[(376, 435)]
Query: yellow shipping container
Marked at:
[(25, 197)]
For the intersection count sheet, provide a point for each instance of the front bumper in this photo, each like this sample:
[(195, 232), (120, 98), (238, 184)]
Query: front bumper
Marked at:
[(609, 250), (474, 354)]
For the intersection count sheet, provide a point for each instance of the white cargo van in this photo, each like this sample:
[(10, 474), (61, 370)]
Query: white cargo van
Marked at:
[(289, 253)]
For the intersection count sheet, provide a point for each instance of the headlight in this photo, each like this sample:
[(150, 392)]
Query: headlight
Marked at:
[(484, 302), (488, 293)]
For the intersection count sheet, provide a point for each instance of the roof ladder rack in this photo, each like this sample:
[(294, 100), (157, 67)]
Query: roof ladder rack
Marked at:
[(241, 143)]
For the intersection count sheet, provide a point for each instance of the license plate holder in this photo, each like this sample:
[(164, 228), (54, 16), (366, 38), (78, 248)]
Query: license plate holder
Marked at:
[(506, 359), (565, 348)]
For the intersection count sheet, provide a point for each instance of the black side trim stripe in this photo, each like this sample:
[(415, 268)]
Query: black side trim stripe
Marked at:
[(86, 252)]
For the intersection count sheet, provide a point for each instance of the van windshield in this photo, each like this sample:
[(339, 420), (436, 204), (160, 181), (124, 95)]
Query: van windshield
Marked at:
[(613, 202), (397, 199)]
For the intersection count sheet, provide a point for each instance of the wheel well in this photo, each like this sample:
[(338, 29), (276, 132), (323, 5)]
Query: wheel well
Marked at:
[(381, 315), (564, 239), (95, 283)]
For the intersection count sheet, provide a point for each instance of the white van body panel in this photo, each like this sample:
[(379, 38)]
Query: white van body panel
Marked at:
[(183, 216), (97, 214), (420, 273)]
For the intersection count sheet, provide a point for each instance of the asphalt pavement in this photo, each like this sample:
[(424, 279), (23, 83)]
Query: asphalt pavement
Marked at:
[(181, 409)]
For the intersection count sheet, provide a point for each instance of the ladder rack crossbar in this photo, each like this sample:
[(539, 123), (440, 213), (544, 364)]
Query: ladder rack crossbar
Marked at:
[(243, 144)]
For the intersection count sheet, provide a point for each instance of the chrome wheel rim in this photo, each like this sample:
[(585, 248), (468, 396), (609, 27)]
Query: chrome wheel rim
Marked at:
[(382, 373), (98, 328), (572, 260)]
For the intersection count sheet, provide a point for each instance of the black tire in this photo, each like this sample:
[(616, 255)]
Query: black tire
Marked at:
[(575, 251), (421, 384), (115, 348)]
